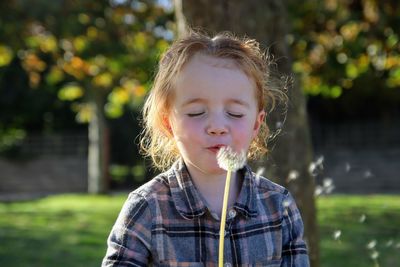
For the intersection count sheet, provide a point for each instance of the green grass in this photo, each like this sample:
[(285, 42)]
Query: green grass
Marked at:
[(65, 230), (345, 213), (71, 230)]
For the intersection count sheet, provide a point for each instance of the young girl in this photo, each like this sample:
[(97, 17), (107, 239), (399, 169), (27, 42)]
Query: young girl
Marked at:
[(209, 93)]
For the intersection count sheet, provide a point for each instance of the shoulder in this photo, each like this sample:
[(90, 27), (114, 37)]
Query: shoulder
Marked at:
[(271, 195), (152, 188), (140, 202), (264, 185)]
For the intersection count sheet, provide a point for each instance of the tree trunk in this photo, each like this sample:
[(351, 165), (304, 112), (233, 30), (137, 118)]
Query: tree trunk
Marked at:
[(266, 21), (98, 147)]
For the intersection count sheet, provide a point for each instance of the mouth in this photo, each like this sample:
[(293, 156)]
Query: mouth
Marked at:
[(214, 149)]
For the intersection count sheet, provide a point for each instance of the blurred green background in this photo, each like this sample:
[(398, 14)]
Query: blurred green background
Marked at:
[(72, 69)]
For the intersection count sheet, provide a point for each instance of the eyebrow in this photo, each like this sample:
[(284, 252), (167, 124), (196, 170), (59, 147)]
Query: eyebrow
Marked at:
[(230, 100)]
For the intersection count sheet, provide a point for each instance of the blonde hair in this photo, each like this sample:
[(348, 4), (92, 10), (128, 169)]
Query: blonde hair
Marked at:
[(156, 140)]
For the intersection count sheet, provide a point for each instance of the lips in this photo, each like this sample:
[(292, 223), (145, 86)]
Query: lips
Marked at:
[(215, 148)]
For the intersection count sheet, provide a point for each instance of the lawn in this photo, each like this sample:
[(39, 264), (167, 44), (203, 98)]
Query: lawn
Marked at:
[(365, 227), (70, 230)]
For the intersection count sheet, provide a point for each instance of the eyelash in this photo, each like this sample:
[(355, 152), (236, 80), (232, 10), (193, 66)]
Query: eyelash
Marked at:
[(237, 116), (195, 114)]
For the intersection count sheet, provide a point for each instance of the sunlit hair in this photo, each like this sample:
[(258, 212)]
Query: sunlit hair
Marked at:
[(156, 139)]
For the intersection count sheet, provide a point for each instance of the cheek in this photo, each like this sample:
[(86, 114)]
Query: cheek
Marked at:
[(244, 134), (186, 129)]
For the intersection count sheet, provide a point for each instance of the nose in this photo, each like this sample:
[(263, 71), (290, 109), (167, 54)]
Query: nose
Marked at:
[(217, 126)]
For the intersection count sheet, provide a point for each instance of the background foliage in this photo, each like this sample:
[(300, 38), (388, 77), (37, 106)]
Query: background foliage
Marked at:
[(54, 56), (347, 56)]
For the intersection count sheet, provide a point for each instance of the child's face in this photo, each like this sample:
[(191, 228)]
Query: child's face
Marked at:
[(214, 105)]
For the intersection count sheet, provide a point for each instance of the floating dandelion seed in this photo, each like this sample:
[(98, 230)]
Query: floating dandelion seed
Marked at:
[(328, 182), (368, 174), (312, 169), (279, 125), (320, 160), (371, 244), (329, 190), (293, 175), (327, 185), (374, 255), (286, 203), (347, 167), (337, 234), (362, 218), (316, 167), (231, 160), (260, 171), (389, 243), (318, 190)]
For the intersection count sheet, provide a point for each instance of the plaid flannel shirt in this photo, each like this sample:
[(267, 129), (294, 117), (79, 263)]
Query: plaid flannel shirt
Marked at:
[(166, 223)]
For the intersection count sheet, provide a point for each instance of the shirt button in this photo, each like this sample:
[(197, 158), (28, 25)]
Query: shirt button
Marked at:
[(226, 232), (232, 213), (228, 264)]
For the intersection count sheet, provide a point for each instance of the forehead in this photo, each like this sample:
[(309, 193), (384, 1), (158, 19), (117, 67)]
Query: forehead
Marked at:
[(210, 77)]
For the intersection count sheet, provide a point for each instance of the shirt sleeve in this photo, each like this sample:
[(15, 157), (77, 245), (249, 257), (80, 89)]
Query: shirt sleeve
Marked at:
[(294, 250), (130, 238)]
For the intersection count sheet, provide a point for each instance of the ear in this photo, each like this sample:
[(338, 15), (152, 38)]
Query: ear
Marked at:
[(257, 124), (166, 124)]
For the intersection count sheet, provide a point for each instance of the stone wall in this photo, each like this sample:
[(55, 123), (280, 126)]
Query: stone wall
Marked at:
[(42, 175), (46, 164)]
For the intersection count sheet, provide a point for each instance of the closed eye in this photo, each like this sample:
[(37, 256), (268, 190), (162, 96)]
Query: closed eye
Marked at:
[(235, 115), (195, 114)]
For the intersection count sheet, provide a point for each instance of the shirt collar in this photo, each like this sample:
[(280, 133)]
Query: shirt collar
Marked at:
[(189, 203)]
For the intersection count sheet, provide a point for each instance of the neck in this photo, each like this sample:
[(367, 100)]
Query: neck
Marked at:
[(211, 187)]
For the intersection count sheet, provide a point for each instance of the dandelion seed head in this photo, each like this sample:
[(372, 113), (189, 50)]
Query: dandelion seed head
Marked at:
[(337, 234), (371, 244), (230, 160)]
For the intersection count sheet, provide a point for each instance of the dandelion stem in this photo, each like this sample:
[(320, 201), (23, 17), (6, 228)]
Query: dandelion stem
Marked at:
[(223, 219)]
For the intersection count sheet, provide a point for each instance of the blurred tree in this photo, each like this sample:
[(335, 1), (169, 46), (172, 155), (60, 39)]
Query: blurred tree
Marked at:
[(267, 22), (95, 54), (348, 51)]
